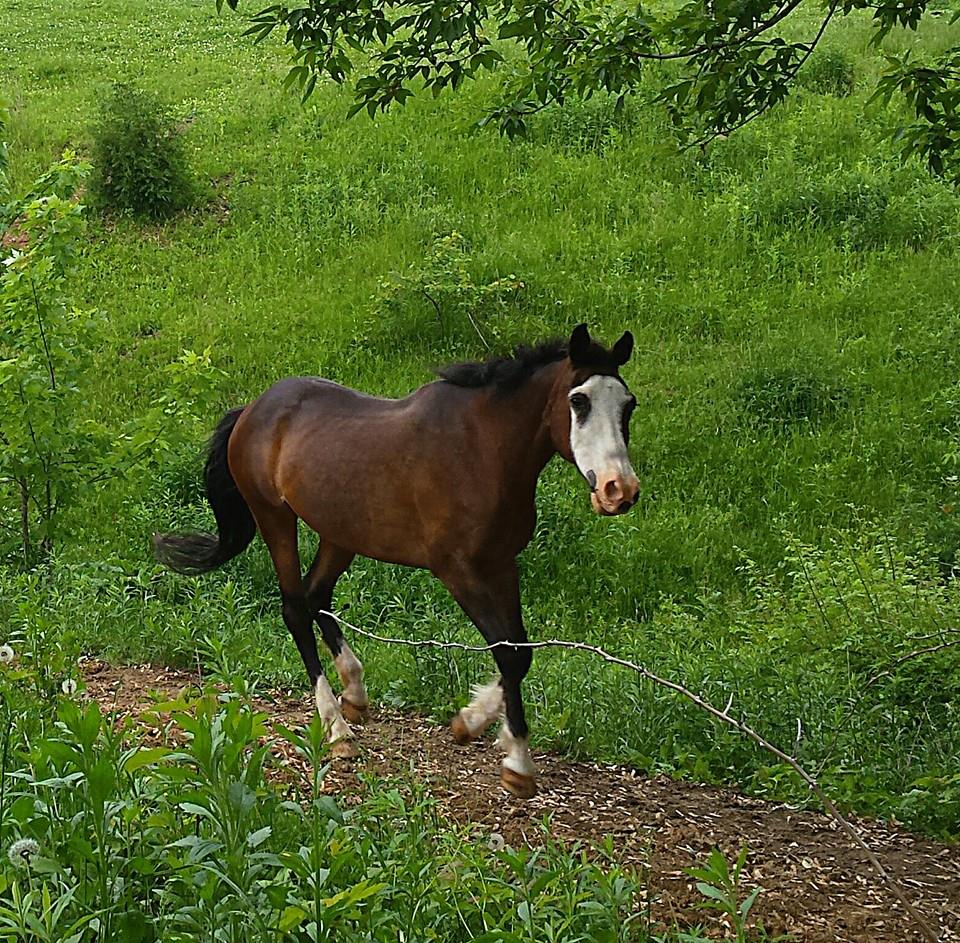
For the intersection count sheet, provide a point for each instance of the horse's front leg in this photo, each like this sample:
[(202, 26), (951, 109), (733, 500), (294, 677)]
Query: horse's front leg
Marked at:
[(492, 601)]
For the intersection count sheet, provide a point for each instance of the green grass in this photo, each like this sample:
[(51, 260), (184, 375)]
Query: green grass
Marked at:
[(794, 297)]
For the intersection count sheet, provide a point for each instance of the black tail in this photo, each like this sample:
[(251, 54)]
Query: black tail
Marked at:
[(198, 553)]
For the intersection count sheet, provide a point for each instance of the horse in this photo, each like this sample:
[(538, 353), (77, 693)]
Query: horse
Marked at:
[(443, 479)]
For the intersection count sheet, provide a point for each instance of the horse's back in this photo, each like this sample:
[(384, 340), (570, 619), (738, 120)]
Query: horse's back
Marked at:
[(357, 468)]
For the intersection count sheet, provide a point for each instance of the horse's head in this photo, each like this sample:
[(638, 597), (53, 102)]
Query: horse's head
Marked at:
[(590, 419)]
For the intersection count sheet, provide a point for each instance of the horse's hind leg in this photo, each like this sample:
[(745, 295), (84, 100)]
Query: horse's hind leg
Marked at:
[(279, 529), (328, 566), (485, 706)]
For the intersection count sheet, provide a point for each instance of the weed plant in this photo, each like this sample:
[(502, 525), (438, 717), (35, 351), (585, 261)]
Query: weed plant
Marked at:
[(189, 840)]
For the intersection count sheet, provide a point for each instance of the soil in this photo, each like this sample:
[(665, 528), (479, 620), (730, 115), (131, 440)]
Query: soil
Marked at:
[(817, 886)]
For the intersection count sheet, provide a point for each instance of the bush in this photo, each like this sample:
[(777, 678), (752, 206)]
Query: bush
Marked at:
[(139, 162), (440, 294), (784, 396), (829, 72)]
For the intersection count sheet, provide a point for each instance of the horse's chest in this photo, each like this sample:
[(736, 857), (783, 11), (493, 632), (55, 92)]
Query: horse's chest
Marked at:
[(497, 532)]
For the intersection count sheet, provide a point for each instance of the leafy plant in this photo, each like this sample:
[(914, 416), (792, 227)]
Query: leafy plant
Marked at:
[(444, 285), (721, 886), (44, 340), (191, 841), (138, 156), (4, 158)]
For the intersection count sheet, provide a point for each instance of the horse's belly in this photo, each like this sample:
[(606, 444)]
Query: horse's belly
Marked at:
[(363, 530)]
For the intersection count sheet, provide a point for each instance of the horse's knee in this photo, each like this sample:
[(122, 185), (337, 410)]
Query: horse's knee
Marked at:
[(294, 609), (514, 663)]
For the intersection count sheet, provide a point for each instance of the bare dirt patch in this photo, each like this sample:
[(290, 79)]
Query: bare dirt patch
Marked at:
[(817, 887)]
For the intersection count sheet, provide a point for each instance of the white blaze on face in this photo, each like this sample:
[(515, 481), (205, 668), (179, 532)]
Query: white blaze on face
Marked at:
[(598, 408)]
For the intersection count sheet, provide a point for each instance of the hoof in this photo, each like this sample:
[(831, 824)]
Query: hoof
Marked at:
[(344, 749), (354, 713), (523, 787), (459, 729)]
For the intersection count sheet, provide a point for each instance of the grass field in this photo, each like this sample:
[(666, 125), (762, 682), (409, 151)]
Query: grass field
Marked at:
[(794, 295)]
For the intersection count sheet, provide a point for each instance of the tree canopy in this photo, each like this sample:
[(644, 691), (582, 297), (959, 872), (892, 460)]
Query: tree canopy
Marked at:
[(731, 58)]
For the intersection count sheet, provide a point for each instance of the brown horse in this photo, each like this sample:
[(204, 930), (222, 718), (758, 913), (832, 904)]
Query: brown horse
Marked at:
[(443, 479)]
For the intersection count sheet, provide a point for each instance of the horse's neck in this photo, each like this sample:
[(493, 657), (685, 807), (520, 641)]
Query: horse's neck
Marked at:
[(525, 441)]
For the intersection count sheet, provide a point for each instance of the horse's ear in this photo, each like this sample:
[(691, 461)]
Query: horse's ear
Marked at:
[(622, 349), (579, 345)]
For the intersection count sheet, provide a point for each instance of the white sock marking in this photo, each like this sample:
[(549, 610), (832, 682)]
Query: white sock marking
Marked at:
[(351, 676), (518, 751), (329, 710), (485, 708)]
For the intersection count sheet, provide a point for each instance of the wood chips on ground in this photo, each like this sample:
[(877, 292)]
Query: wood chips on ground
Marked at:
[(817, 886)]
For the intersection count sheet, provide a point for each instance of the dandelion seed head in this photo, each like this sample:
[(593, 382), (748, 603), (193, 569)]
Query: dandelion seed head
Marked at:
[(22, 852), (495, 842), (7, 654)]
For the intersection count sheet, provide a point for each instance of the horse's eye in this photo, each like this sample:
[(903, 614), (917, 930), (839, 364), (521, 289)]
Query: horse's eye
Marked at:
[(580, 404)]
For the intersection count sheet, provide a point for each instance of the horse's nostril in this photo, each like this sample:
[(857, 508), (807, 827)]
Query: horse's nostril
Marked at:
[(612, 489)]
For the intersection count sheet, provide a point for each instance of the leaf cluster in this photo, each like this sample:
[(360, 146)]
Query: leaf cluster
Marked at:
[(190, 840), (730, 59)]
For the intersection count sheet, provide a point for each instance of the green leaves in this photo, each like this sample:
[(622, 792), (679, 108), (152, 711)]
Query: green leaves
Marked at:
[(42, 340), (721, 887), (4, 182), (734, 62), (932, 90), (140, 164), (144, 844)]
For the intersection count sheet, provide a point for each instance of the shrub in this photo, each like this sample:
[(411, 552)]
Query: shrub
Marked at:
[(139, 160), (829, 72), (441, 289), (784, 396)]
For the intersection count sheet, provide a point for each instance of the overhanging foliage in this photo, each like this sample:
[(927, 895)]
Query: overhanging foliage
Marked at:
[(732, 58)]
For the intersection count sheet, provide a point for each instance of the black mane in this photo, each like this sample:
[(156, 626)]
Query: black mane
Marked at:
[(505, 373)]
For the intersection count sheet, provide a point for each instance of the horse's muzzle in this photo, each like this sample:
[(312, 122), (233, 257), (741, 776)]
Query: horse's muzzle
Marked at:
[(615, 494)]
